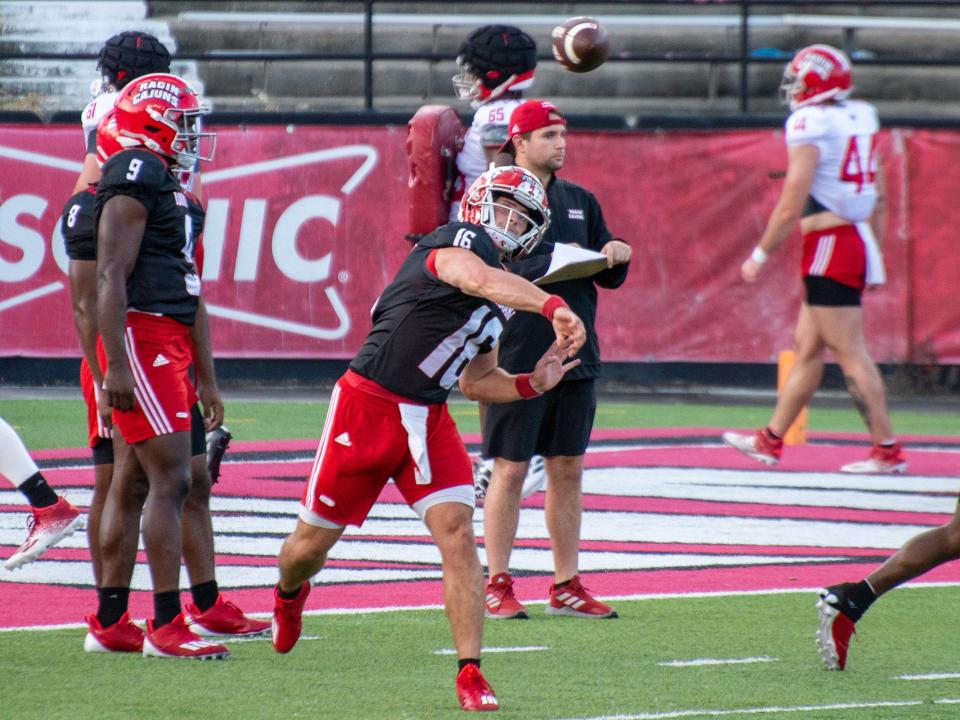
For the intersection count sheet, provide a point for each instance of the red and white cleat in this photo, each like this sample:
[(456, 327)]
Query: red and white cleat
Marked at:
[(223, 618), (48, 526), (122, 636), (175, 640), (473, 690)]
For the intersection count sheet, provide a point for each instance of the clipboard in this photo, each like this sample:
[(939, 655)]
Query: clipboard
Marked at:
[(569, 262)]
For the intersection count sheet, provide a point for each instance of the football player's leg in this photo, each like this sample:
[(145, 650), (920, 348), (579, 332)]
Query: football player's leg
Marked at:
[(198, 548), (842, 329), (451, 526), (102, 476), (166, 462), (304, 553), (501, 513), (15, 462), (119, 532), (563, 510), (918, 555), (806, 374)]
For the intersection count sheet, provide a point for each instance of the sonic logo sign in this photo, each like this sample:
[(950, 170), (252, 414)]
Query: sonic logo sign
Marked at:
[(298, 239)]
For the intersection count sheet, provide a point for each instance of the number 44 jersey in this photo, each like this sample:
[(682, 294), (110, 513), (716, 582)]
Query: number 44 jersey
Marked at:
[(845, 133), (425, 331)]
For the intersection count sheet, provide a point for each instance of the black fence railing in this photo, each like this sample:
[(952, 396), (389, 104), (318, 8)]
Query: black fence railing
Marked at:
[(742, 14)]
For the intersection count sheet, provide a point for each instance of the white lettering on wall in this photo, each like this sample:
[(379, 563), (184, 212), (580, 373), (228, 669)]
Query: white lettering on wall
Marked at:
[(289, 261), (28, 241)]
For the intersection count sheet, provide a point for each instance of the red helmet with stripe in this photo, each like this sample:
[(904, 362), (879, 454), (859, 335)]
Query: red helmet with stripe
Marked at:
[(816, 74), (480, 202)]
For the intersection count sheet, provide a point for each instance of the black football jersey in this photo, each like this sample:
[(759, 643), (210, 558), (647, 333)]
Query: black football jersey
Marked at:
[(426, 331), (77, 225), (164, 279)]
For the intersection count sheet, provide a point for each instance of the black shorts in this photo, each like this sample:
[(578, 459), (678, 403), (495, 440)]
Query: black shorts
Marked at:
[(103, 450), (556, 423), (198, 434), (830, 293)]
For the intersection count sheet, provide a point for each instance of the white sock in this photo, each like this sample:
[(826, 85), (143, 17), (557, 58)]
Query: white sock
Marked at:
[(15, 463)]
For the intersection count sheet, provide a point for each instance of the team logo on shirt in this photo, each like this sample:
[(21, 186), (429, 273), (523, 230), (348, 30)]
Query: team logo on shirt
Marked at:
[(575, 214)]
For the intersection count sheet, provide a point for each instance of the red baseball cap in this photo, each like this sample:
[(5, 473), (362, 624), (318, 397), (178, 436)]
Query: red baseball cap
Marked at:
[(529, 116)]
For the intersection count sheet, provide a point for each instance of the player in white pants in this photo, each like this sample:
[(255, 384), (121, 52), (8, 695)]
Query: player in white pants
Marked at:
[(53, 517)]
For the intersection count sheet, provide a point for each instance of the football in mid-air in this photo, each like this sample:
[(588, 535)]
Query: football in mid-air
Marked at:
[(580, 44)]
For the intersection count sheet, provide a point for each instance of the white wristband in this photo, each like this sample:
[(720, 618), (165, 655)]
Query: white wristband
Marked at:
[(758, 255)]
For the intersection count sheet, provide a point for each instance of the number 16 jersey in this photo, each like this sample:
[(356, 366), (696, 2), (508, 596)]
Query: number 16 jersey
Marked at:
[(425, 331)]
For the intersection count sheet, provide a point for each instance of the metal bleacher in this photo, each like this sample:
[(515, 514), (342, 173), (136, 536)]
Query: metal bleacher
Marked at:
[(668, 58)]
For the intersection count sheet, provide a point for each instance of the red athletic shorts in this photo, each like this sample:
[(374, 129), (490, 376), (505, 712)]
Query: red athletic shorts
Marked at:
[(836, 253), (160, 352), (364, 444), (96, 431)]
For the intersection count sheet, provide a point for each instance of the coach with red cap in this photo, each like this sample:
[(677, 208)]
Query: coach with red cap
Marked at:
[(556, 425)]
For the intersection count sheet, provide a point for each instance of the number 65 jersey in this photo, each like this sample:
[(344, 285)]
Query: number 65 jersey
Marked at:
[(425, 331), (845, 133)]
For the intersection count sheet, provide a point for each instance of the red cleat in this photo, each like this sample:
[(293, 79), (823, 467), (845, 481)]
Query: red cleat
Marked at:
[(761, 446), (473, 690), (122, 636), (835, 629), (288, 618), (223, 618), (500, 600), (575, 600), (175, 640)]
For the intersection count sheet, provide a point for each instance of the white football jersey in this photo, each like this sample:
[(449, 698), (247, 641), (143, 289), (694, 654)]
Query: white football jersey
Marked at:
[(845, 133), (472, 160), (92, 115)]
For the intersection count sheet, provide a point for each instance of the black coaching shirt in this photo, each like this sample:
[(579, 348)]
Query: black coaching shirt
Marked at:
[(164, 280), (426, 331), (575, 217)]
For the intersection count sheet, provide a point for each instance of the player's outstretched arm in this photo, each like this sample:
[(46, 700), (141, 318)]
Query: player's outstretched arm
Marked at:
[(484, 381), (464, 270)]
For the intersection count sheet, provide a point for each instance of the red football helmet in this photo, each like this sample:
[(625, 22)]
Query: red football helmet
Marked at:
[(816, 74), (162, 113), (480, 201), (108, 140)]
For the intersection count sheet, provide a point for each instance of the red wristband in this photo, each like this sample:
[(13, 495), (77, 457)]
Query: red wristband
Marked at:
[(525, 387), (550, 306)]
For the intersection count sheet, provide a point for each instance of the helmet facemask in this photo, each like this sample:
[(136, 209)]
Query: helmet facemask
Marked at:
[(481, 203), (191, 144)]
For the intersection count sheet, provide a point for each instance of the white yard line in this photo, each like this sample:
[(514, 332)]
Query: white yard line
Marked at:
[(698, 712), (929, 676), (699, 662), (528, 648)]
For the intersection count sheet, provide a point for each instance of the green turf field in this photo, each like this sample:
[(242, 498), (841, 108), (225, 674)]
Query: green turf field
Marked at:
[(62, 423), (386, 666)]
